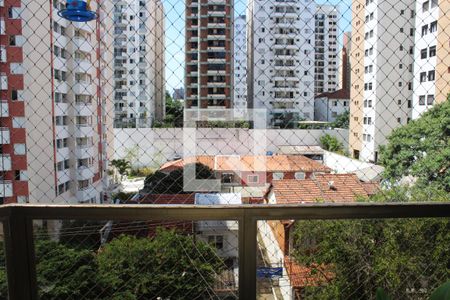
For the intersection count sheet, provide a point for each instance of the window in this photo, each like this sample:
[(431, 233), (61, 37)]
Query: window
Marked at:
[(19, 149), (434, 3), (423, 76), (299, 175), (431, 75), (433, 27), (83, 184), (399, 102), (216, 241), (424, 30), (277, 175), (227, 178), (425, 6), (252, 178), (430, 99), (2, 54), (422, 100), (399, 120), (423, 53), (18, 122), (432, 51)]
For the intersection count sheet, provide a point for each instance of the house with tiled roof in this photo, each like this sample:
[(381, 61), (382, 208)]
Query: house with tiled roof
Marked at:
[(341, 188), (320, 188), (252, 170)]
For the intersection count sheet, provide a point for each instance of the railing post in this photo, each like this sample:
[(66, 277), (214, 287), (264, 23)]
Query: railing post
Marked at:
[(247, 257), (20, 260)]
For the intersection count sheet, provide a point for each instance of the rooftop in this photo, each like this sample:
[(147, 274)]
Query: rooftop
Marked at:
[(250, 163)]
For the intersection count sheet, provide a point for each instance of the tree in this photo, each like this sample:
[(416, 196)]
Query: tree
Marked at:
[(169, 265), (65, 273), (342, 120), (331, 143), (172, 183), (122, 165), (421, 149), (174, 114), (408, 258)]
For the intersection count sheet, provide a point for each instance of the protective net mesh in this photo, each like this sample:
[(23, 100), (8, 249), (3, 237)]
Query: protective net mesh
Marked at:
[(220, 102)]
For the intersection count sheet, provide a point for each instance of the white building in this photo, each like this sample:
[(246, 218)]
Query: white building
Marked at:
[(66, 99), (381, 60), (222, 234), (281, 60), (240, 65), (431, 56), (138, 63), (328, 106), (326, 49)]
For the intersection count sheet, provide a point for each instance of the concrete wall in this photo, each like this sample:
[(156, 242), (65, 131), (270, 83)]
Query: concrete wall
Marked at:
[(154, 146)]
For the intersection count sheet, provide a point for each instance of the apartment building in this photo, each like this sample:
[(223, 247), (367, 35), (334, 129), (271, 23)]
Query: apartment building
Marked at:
[(139, 83), (326, 49), (13, 155), (431, 56), (281, 43), (240, 65), (56, 131), (209, 47), (344, 62), (382, 75)]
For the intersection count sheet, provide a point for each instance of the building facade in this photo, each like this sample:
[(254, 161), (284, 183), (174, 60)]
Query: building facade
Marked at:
[(240, 64), (139, 87), (328, 106), (281, 43), (344, 62), (326, 49), (56, 99), (431, 56), (209, 47), (382, 75)]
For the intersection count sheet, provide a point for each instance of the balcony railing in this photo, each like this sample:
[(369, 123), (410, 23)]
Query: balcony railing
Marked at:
[(19, 242)]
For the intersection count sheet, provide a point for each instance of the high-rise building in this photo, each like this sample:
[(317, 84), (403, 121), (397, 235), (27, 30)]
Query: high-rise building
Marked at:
[(139, 90), (240, 64), (431, 56), (281, 43), (55, 99), (326, 49), (381, 60), (209, 46), (344, 62)]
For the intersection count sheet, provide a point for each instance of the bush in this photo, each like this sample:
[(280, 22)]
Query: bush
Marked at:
[(330, 143)]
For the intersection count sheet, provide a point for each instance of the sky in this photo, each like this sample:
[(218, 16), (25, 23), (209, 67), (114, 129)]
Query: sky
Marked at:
[(175, 31)]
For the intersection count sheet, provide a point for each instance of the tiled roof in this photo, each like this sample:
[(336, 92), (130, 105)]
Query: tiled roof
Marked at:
[(339, 94), (251, 163), (302, 276), (371, 188), (324, 187)]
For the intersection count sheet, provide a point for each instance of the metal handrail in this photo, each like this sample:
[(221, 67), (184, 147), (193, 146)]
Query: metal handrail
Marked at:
[(20, 259)]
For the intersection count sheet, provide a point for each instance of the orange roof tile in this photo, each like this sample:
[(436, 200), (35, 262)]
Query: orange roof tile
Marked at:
[(323, 187), (302, 276), (371, 187), (251, 163)]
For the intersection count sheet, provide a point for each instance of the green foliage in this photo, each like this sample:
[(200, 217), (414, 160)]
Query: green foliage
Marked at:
[(421, 149), (122, 165), (342, 121), (442, 292), (65, 273), (169, 265), (81, 234), (141, 172), (406, 257), (382, 295), (227, 124), (331, 143), (172, 183), (174, 114)]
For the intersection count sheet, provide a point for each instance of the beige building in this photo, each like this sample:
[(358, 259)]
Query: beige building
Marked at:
[(431, 55), (67, 94)]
